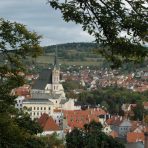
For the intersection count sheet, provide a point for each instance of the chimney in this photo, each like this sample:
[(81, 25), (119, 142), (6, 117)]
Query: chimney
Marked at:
[(146, 140)]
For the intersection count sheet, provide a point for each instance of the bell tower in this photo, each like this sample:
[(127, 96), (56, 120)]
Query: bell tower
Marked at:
[(55, 73)]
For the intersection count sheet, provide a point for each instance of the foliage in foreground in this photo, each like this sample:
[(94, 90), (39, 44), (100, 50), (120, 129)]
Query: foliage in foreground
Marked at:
[(16, 128), (120, 27), (91, 137)]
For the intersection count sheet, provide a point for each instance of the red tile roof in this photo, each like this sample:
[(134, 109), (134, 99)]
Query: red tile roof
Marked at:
[(22, 91), (135, 137), (47, 123), (115, 120), (79, 118), (114, 134)]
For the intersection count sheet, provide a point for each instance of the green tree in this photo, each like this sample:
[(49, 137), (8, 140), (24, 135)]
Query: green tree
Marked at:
[(120, 27), (16, 128), (138, 112), (53, 141), (91, 137), (105, 105)]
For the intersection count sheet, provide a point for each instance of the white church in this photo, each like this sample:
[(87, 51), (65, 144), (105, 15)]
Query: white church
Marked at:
[(47, 94)]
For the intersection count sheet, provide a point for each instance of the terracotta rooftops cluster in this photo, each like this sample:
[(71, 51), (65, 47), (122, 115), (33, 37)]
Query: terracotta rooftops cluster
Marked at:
[(79, 118)]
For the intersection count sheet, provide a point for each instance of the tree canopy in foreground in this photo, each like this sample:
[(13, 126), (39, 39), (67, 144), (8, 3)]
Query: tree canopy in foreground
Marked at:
[(16, 128), (120, 27), (91, 137)]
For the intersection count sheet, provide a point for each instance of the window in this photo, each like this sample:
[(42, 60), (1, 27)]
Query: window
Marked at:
[(49, 108), (41, 108), (37, 108), (34, 113), (34, 108), (44, 108)]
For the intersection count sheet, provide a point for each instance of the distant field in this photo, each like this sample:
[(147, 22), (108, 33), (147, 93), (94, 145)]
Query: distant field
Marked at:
[(48, 59)]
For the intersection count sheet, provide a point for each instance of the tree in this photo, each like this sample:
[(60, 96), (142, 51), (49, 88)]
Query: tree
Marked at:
[(138, 112), (104, 105), (91, 137), (16, 128), (53, 141), (120, 27)]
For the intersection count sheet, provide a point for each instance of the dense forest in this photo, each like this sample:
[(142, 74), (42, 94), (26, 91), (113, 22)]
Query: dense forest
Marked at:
[(74, 51)]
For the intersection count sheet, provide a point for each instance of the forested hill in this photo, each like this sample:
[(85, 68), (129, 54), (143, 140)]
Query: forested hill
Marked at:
[(75, 53), (81, 47), (82, 53)]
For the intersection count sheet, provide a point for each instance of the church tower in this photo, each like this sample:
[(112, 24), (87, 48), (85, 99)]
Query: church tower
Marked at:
[(55, 73)]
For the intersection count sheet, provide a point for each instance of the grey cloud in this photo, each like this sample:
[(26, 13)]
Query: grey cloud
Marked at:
[(40, 17)]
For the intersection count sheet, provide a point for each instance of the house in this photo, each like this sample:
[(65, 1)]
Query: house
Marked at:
[(78, 118), (19, 102), (21, 91), (133, 137), (48, 124), (119, 124), (37, 107), (107, 129), (103, 118), (58, 116)]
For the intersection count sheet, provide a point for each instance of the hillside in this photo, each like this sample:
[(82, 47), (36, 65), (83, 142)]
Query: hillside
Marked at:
[(72, 53), (75, 54)]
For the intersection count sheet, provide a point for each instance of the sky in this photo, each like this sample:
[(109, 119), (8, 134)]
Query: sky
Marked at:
[(38, 16)]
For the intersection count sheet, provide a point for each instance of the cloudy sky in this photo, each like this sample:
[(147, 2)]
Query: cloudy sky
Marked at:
[(37, 15)]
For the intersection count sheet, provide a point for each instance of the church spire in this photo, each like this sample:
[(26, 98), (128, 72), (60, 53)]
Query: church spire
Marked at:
[(56, 64)]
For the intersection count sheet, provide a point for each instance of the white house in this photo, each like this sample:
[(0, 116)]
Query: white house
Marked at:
[(19, 102)]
